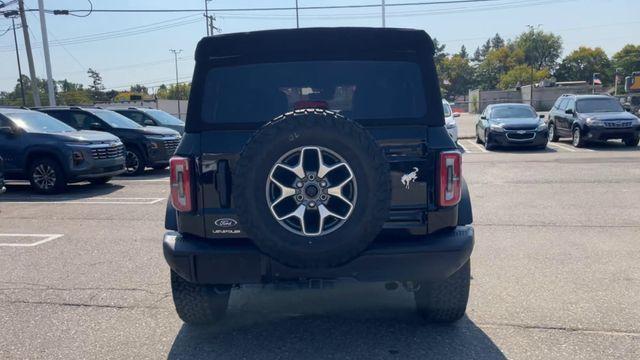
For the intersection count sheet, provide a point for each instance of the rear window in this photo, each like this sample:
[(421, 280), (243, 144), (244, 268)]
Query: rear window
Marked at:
[(361, 90)]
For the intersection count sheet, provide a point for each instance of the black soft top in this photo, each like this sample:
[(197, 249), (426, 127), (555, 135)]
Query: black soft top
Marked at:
[(314, 43)]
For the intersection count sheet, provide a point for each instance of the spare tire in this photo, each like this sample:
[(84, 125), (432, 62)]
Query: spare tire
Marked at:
[(312, 189)]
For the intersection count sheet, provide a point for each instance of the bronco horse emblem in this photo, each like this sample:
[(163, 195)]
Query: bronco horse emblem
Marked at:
[(407, 179)]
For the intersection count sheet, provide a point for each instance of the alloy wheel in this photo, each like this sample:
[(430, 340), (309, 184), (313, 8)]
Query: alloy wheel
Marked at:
[(311, 191), (132, 162), (44, 176)]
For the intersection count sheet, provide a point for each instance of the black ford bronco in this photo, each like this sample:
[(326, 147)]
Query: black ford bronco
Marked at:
[(312, 155)]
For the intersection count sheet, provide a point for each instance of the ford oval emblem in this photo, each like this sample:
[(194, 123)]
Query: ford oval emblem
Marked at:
[(225, 223)]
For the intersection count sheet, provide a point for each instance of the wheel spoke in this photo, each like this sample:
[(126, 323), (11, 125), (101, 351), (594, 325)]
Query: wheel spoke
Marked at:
[(286, 192)]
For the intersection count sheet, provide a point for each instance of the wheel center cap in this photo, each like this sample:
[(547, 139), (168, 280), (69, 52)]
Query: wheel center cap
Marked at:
[(311, 190)]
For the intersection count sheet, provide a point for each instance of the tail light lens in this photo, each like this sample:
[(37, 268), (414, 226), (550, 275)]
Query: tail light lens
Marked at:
[(181, 184), (450, 178)]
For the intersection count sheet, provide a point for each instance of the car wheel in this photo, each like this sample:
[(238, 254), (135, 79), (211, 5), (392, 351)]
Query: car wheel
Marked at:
[(134, 162), (100, 181), (487, 141), (478, 141), (303, 199), (578, 140), (46, 176), (553, 134), (632, 141), (444, 301), (197, 303)]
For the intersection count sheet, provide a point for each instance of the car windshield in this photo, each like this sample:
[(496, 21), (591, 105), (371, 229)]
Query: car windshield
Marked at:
[(512, 112), (164, 118), (598, 106), (361, 90), (447, 109), (115, 120), (37, 122)]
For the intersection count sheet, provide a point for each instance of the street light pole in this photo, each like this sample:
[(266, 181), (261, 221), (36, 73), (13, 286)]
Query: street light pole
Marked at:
[(47, 58), (206, 16), (297, 19), (384, 20), (175, 56)]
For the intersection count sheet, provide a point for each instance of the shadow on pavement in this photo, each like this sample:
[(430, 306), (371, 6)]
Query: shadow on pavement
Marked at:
[(323, 324), (150, 174), (22, 191)]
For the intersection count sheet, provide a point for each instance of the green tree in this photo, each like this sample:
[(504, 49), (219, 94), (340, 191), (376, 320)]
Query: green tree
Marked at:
[(463, 52), (96, 87), (627, 59), (520, 75), (139, 89), (541, 50), (497, 63), (582, 63), (457, 76), (497, 42), (173, 93)]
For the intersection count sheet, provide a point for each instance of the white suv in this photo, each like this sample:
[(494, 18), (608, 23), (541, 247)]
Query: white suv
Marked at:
[(450, 121)]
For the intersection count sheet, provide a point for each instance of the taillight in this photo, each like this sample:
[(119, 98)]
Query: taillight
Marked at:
[(450, 178), (181, 184)]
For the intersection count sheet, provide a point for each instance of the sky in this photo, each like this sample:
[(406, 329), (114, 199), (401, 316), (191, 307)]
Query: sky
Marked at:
[(133, 48)]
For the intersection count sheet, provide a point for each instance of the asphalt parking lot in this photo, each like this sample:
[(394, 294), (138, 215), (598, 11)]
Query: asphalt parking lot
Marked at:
[(555, 275)]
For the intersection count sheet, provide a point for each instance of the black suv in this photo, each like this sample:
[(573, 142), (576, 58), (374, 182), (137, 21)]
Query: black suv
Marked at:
[(587, 118), (312, 155), (50, 154), (151, 117), (145, 146)]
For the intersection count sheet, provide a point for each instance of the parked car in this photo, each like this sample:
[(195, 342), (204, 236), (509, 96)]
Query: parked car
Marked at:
[(151, 117), (50, 154), (587, 118), (324, 158), (511, 125), (450, 120), (150, 146), (2, 188)]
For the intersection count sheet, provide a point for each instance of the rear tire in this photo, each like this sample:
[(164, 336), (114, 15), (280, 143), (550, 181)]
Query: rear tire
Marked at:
[(444, 301), (487, 143), (100, 181), (199, 304), (632, 141), (47, 176)]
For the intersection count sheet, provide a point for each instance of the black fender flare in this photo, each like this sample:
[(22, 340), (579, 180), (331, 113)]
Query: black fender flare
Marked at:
[(465, 213), (170, 217)]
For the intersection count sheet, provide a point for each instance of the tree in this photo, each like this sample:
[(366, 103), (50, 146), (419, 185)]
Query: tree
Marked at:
[(521, 74), (582, 63), (541, 50), (497, 42), (139, 89), (169, 92), (627, 59), (438, 52), (484, 50), (496, 64), (463, 52), (457, 76), (477, 56), (96, 87)]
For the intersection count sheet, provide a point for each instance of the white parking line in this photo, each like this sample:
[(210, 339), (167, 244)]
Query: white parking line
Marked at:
[(92, 201), (462, 146), (561, 146), (45, 238), (481, 148)]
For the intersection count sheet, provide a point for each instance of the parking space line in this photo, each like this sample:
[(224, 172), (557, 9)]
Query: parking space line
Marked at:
[(45, 238), (560, 146), (91, 201), (462, 146), (482, 149)]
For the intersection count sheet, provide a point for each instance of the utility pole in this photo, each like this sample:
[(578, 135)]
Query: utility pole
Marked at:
[(27, 45), (206, 17), (47, 58), (175, 55), (297, 16), (13, 14), (384, 20)]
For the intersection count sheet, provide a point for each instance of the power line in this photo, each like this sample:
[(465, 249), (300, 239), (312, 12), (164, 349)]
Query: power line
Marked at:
[(284, 8)]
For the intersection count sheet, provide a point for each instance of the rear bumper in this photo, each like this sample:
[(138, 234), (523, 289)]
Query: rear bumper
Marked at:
[(435, 257)]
